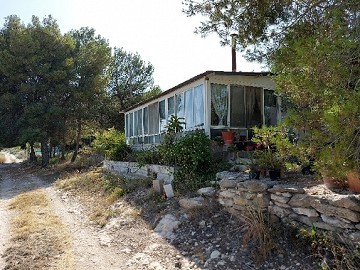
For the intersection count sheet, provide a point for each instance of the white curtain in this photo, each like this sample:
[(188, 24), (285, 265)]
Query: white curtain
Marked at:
[(219, 101)]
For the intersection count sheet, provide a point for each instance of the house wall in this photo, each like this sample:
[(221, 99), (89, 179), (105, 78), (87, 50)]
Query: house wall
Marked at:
[(143, 141)]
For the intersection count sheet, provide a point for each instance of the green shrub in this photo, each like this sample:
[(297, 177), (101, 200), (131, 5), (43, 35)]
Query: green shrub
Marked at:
[(112, 144), (150, 156)]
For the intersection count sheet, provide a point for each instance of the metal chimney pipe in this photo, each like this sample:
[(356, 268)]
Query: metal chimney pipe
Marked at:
[(233, 52)]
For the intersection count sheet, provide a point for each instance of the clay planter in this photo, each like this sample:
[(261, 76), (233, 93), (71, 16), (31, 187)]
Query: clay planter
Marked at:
[(275, 174), (228, 137), (353, 179)]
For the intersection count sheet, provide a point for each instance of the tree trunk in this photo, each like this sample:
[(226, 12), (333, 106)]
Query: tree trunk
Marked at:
[(33, 158), (45, 153), (62, 152), (78, 137)]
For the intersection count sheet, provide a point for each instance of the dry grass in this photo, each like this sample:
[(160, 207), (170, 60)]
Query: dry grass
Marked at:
[(106, 188), (40, 240), (258, 234)]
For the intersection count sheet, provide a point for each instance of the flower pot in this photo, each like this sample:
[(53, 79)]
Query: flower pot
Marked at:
[(275, 174), (228, 137), (353, 179), (254, 174)]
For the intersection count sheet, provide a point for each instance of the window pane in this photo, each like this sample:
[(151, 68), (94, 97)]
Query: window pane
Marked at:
[(154, 118), (140, 122), (253, 106), (146, 120), (127, 125), (237, 107), (131, 126), (171, 106), (219, 104), (189, 115), (199, 106), (180, 105), (162, 115), (270, 108)]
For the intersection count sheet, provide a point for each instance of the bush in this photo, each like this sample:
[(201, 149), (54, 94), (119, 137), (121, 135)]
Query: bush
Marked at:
[(191, 154), (112, 144)]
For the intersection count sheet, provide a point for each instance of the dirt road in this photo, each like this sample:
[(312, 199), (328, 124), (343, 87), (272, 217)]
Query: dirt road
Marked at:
[(208, 239), (133, 247)]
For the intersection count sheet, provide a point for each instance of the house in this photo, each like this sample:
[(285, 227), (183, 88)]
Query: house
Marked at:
[(211, 101)]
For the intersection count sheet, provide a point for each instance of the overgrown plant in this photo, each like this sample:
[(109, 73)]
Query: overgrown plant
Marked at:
[(258, 233), (329, 248), (112, 144)]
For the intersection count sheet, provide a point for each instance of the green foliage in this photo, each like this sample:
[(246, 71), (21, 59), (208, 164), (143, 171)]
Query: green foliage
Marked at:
[(175, 125), (150, 156), (330, 249), (112, 144)]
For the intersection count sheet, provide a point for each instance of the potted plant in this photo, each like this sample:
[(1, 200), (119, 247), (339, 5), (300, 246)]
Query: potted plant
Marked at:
[(228, 136), (269, 160)]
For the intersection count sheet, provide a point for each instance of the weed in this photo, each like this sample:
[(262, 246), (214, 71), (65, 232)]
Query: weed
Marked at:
[(258, 233), (332, 252)]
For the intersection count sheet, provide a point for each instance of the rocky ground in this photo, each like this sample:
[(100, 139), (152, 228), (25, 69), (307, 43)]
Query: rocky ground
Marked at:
[(149, 233)]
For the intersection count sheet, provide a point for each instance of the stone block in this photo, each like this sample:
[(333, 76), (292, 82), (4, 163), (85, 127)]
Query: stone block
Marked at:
[(309, 212), (158, 186), (304, 219), (324, 226), (252, 186), (336, 222), (191, 203), (228, 183), (227, 175), (226, 202), (301, 200), (345, 201), (279, 211), (286, 188), (279, 199), (241, 201), (168, 189), (207, 191), (330, 210), (283, 205), (226, 194)]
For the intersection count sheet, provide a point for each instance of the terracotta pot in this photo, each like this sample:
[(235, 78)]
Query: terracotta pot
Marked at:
[(353, 179), (228, 137)]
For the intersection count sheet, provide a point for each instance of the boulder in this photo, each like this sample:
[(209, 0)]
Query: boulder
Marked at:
[(207, 191), (191, 203)]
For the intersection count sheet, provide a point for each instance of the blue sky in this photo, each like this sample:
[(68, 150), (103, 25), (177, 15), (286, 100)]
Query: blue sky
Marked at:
[(156, 29)]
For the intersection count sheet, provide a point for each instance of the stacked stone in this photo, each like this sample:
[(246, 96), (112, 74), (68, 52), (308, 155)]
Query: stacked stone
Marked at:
[(291, 204), (332, 212)]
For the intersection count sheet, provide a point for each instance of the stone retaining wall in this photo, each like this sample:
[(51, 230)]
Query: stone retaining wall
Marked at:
[(157, 172), (299, 206)]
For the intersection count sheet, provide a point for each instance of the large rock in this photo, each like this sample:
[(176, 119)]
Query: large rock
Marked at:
[(286, 188), (346, 201), (228, 175), (330, 210), (253, 186), (207, 191), (279, 199), (228, 183), (306, 212), (301, 200), (166, 226), (336, 222), (191, 203), (279, 211)]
